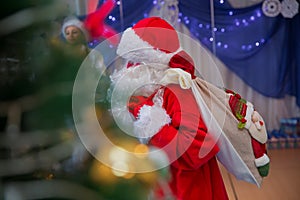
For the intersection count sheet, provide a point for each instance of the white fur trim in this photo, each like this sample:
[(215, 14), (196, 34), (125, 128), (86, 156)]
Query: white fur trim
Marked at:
[(132, 47), (150, 120), (262, 161), (248, 116)]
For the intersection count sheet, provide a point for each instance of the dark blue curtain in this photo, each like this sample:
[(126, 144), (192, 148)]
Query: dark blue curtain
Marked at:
[(133, 11), (263, 51)]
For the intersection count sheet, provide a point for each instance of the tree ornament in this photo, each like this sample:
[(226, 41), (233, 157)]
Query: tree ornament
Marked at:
[(289, 8), (271, 8)]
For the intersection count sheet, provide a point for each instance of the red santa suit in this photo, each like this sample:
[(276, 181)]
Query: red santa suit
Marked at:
[(193, 177), (170, 117)]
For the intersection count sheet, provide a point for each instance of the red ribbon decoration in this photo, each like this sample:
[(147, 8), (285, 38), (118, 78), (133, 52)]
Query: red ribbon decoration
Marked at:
[(96, 26)]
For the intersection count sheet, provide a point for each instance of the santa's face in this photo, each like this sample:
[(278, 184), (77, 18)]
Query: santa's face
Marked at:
[(140, 79), (74, 35)]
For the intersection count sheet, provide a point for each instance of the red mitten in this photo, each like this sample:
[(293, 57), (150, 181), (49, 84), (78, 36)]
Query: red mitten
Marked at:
[(136, 102), (149, 117)]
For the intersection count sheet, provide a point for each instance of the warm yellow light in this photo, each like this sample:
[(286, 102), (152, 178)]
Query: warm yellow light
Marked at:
[(102, 173), (118, 154), (141, 150), (120, 168)]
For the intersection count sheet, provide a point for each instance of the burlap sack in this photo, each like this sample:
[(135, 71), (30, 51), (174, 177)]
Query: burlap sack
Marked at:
[(236, 152)]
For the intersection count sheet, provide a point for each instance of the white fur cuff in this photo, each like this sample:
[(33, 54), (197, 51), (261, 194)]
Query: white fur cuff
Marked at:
[(150, 120), (262, 161)]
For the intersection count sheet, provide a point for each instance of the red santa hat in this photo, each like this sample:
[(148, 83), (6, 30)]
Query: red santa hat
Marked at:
[(73, 21), (153, 40)]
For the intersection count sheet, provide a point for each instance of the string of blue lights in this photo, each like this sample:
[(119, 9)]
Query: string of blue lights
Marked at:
[(263, 51)]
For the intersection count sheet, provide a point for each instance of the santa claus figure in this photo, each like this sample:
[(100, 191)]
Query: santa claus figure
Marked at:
[(166, 111)]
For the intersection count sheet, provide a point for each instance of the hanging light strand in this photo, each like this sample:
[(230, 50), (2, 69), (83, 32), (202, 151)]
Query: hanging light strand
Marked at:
[(121, 14), (212, 18)]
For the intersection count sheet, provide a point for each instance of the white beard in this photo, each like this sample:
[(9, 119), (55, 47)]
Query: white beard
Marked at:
[(139, 80)]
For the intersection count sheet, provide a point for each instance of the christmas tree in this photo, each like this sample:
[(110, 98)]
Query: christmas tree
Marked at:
[(41, 155)]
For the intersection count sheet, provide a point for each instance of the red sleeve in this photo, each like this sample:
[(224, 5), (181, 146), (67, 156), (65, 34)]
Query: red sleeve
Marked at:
[(184, 136)]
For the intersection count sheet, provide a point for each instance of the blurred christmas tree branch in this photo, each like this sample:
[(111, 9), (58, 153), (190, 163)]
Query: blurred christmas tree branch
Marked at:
[(49, 189), (29, 16), (41, 155)]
